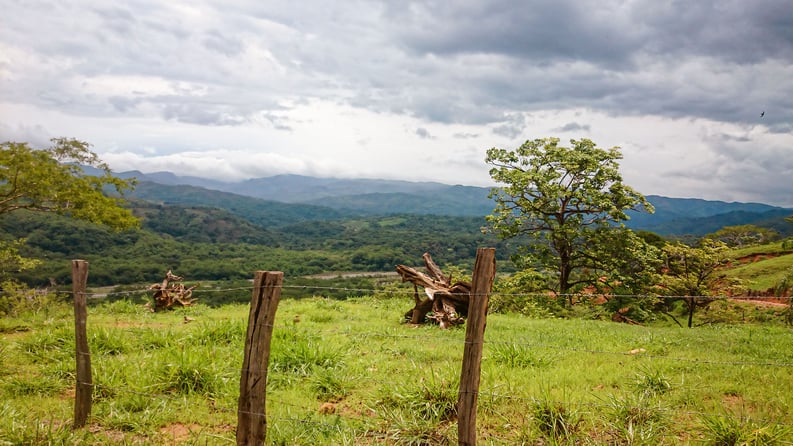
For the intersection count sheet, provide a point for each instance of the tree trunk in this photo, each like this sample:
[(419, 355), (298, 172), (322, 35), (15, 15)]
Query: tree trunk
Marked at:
[(447, 302)]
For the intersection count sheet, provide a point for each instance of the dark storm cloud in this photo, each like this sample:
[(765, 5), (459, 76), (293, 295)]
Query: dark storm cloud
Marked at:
[(641, 57), (544, 31), (607, 33), (460, 62)]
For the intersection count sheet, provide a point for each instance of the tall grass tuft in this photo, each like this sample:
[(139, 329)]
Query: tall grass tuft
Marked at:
[(517, 356), (219, 333), (635, 419), (329, 385), (404, 429), (556, 421), (419, 413), (432, 400), (309, 431), (20, 386), (299, 353), (652, 382), (728, 430), (105, 341), (132, 413), (47, 345), (190, 372)]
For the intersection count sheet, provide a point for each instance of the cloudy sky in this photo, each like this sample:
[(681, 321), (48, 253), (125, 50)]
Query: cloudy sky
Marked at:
[(410, 90)]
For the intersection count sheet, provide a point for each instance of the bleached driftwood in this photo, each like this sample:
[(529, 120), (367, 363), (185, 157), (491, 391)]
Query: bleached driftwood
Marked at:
[(445, 303)]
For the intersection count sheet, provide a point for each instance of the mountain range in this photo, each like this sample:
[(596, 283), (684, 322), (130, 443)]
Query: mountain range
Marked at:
[(285, 199)]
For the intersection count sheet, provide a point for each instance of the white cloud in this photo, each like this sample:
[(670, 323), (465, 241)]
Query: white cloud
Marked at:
[(418, 91)]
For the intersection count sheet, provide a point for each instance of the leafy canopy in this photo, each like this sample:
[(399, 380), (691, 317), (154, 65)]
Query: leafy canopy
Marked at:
[(562, 198), (691, 274), (52, 180), (744, 235)]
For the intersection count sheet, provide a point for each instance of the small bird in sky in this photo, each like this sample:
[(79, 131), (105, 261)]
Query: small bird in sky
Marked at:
[(762, 114)]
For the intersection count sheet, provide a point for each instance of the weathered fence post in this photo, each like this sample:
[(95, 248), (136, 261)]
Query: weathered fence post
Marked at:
[(481, 283), (251, 418), (84, 386)]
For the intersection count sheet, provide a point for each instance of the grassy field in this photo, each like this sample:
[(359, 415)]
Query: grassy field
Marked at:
[(761, 267), (350, 372)]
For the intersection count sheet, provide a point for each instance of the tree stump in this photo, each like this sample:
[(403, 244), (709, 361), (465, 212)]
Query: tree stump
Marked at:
[(171, 292), (445, 303)]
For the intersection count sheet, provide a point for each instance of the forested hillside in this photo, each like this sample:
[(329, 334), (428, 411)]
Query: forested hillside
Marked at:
[(288, 198), (211, 244), (208, 234)]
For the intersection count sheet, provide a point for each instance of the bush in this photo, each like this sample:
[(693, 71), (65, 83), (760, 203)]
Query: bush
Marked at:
[(16, 299)]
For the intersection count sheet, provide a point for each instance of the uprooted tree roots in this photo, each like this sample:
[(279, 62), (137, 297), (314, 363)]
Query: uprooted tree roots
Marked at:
[(171, 292), (446, 303)]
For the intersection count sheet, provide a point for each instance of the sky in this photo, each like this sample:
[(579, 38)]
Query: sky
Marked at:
[(698, 94)]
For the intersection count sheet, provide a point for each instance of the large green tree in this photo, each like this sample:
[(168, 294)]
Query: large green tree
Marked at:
[(562, 199), (53, 180)]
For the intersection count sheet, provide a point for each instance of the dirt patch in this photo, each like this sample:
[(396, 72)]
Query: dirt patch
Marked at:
[(759, 256), (769, 302), (178, 433)]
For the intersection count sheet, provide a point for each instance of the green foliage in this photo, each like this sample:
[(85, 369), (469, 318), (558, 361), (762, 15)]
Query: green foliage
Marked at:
[(691, 274), (743, 235), (562, 199), (141, 256), (52, 180), (522, 293), (16, 299), (11, 261)]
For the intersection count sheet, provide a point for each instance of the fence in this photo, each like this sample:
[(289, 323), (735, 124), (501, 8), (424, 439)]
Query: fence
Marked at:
[(252, 419)]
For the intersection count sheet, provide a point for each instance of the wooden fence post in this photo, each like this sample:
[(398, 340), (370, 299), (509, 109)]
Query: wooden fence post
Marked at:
[(84, 386), (481, 284), (251, 418)]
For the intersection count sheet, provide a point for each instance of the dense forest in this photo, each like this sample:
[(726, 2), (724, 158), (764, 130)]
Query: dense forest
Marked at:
[(207, 234), (212, 244)]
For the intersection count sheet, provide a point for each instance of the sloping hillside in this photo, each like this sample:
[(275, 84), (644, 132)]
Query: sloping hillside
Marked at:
[(761, 267), (285, 199)]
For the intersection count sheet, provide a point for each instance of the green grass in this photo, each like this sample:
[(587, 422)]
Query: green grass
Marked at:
[(350, 372), (763, 274), (762, 267)]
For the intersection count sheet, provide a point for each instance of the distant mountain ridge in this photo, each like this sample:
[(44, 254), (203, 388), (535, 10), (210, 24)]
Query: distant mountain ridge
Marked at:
[(271, 200)]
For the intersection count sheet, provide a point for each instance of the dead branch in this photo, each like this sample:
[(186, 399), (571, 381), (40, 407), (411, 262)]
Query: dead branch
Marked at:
[(172, 292), (445, 303)]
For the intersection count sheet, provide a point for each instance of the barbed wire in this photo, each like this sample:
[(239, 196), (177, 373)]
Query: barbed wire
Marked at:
[(408, 293), (455, 338)]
